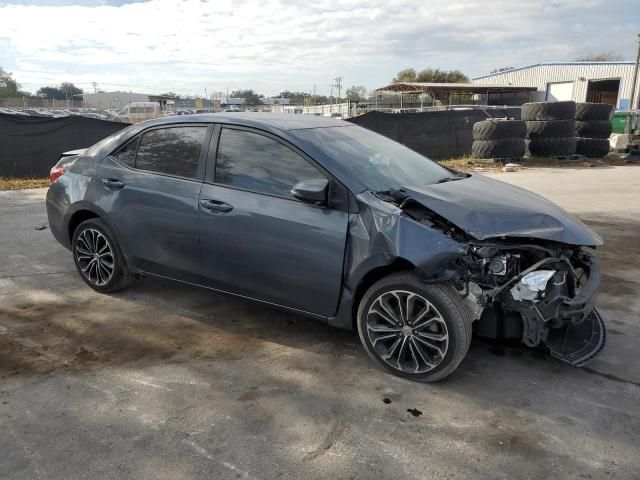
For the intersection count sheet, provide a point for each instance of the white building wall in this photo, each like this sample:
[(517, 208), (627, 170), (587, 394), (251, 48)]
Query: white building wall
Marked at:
[(112, 100), (541, 75)]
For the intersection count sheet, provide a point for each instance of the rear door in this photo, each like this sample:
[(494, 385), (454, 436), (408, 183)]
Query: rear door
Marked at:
[(256, 239), (149, 189)]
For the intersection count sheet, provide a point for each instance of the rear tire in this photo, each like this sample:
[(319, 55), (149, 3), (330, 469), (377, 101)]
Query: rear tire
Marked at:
[(99, 258), (428, 334)]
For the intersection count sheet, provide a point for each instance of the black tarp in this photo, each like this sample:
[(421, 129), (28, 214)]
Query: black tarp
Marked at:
[(30, 146), (437, 135)]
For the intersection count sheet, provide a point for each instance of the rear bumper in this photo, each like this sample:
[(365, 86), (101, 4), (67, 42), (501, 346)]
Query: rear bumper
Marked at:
[(56, 214)]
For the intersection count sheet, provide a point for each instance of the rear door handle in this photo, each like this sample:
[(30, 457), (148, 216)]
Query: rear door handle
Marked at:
[(215, 205), (113, 183)]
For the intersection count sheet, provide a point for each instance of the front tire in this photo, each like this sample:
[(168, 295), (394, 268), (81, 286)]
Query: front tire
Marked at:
[(414, 330), (98, 257)]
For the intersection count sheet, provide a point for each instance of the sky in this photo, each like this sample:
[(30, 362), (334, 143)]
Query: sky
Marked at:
[(267, 45)]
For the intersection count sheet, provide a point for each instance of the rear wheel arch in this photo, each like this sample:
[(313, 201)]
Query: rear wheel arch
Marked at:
[(77, 218)]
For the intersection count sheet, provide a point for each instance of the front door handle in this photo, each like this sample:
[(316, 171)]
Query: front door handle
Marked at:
[(113, 183), (215, 205)]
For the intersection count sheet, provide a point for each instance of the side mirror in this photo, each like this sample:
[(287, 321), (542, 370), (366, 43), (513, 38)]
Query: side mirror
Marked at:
[(311, 191)]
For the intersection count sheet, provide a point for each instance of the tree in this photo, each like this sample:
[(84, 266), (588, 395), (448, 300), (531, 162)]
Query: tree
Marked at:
[(435, 75), (295, 98), (501, 69), (69, 90), (51, 92), (8, 86), (64, 91), (250, 97), (441, 76), (406, 75), (600, 57), (356, 93)]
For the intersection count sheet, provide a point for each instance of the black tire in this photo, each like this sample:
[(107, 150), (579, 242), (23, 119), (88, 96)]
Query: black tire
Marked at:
[(548, 111), (593, 111), (498, 129), (593, 128), (551, 147), (448, 305), (120, 276), (592, 147), (509, 148), (550, 128)]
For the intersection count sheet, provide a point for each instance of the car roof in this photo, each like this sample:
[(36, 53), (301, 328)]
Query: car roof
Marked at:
[(268, 121)]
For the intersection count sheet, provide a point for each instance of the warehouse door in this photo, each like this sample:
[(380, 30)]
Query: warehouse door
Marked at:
[(560, 91), (603, 91)]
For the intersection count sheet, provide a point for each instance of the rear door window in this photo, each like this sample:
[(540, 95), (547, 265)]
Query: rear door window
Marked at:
[(258, 163), (127, 154), (171, 151)]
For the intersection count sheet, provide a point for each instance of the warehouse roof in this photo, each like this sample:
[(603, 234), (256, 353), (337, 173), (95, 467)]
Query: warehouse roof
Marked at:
[(552, 63), (417, 87)]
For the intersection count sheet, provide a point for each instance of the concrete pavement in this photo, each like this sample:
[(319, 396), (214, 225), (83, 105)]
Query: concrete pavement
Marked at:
[(169, 381)]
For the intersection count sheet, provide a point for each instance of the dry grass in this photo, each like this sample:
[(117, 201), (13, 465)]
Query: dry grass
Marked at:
[(22, 183), (470, 164)]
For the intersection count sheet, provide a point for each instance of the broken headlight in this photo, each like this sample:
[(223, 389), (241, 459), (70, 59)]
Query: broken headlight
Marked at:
[(532, 284)]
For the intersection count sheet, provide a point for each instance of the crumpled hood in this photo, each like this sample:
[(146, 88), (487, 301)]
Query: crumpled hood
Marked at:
[(486, 208)]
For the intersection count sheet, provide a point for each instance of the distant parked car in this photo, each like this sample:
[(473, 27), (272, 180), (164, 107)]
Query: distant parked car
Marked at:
[(336, 222)]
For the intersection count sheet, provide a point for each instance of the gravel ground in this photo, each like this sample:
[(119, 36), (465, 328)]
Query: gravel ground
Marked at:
[(168, 381)]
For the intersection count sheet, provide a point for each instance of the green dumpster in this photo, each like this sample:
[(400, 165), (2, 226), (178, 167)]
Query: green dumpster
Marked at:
[(619, 121)]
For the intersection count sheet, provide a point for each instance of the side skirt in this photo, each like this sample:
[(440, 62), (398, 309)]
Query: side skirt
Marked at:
[(314, 316)]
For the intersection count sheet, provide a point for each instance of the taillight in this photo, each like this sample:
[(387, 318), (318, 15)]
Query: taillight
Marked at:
[(55, 172)]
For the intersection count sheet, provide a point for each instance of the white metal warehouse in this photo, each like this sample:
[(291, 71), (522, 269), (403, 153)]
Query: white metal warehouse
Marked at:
[(602, 82)]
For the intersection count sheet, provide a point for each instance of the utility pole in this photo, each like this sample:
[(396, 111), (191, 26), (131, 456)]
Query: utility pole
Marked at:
[(95, 87), (338, 86), (634, 83)]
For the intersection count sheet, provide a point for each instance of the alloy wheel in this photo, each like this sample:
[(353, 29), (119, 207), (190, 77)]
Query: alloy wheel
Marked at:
[(407, 331), (94, 256)]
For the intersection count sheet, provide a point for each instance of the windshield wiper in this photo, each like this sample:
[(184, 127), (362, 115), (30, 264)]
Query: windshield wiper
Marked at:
[(451, 179), (392, 195)]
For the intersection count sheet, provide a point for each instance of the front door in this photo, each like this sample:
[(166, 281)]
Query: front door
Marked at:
[(149, 190), (256, 239)]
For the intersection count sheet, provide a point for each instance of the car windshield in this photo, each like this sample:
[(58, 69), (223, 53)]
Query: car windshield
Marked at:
[(376, 161)]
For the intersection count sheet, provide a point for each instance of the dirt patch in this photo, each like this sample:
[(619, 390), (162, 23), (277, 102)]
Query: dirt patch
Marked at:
[(140, 326)]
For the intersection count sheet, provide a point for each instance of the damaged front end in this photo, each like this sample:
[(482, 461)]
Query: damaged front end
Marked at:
[(552, 289), (517, 285)]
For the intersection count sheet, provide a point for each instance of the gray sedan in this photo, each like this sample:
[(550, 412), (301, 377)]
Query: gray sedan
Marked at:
[(338, 223)]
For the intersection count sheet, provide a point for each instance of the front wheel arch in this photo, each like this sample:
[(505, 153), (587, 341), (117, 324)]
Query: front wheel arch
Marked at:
[(371, 277)]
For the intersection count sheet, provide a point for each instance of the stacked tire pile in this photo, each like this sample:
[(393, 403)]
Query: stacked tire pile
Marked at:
[(550, 128), (498, 139), (593, 129)]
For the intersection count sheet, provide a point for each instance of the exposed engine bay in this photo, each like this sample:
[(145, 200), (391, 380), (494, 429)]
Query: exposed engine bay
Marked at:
[(539, 291)]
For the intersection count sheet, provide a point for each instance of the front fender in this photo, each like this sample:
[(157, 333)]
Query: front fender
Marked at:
[(380, 235)]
